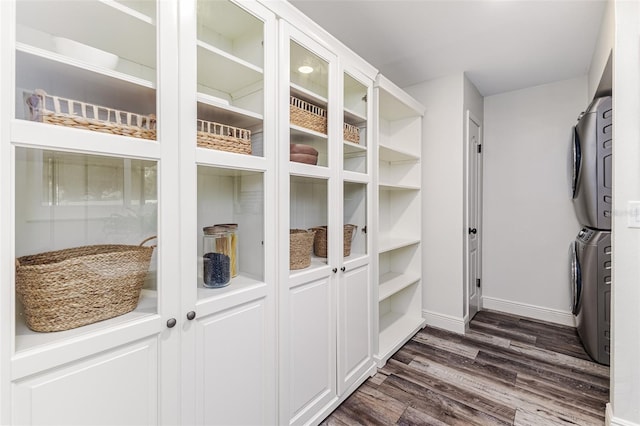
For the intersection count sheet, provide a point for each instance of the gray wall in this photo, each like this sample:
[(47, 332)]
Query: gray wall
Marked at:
[(528, 216)]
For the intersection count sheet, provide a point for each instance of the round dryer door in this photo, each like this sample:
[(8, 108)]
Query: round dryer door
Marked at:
[(575, 276)]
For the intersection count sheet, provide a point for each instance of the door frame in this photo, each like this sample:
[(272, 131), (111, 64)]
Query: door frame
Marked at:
[(468, 186)]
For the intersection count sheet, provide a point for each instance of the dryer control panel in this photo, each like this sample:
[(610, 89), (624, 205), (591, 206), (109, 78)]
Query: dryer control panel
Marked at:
[(585, 235)]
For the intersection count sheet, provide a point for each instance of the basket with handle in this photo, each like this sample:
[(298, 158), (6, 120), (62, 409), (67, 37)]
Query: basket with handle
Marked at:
[(320, 241), (300, 245), (223, 137), (69, 288), (60, 111)]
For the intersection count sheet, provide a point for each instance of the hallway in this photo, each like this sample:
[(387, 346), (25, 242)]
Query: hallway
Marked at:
[(505, 371)]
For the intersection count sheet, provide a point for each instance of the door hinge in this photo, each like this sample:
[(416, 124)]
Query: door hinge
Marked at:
[(479, 148), (364, 98), (478, 282)]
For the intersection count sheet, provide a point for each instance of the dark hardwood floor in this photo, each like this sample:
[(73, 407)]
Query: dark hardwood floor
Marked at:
[(506, 371)]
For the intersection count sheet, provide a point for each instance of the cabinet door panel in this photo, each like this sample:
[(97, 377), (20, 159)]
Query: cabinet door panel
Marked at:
[(354, 330), (232, 367), (116, 388), (313, 348)]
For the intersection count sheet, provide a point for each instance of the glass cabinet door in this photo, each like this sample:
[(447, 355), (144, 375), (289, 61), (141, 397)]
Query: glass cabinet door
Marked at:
[(85, 203), (86, 228), (355, 144), (74, 70), (309, 151), (227, 184), (230, 78), (308, 107), (310, 124), (355, 208), (234, 155), (356, 158), (88, 165)]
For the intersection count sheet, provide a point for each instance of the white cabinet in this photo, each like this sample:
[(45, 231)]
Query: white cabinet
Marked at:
[(325, 308), (74, 182), (355, 327), (398, 270), (227, 176), (176, 125), (307, 313), (126, 378), (186, 354)]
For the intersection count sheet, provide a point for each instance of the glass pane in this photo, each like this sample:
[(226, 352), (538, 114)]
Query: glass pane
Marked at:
[(355, 219), (308, 106), (308, 212), (85, 228), (355, 125), (231, 226), (230, 78), (73, 69), (309, 71)]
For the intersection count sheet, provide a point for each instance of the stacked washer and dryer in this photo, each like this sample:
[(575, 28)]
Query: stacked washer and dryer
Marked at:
[(590, 262)]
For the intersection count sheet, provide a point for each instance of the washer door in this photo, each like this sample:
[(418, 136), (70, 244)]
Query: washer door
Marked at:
[(576, 277), (577, 160)]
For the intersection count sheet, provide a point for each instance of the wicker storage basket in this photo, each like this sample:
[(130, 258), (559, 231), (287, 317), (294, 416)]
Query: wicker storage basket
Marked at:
[(69, 288), (351, 133), (320, 241), (81, 115), (307, 115), (300, 245), (224, 138)]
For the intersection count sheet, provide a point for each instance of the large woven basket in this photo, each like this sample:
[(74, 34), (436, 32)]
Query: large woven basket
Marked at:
[(351, 133), (69, 288), (223, 137), (81, 115), (307, 115), (300, 245), (320, 241)]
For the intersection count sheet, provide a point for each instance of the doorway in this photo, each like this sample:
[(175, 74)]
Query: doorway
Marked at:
[(473, 214)]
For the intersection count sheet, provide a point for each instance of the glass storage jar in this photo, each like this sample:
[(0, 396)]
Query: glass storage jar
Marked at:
[(216, 256), (232, 228)]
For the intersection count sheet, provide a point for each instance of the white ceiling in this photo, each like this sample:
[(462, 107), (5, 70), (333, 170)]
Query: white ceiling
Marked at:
[(502, 45)]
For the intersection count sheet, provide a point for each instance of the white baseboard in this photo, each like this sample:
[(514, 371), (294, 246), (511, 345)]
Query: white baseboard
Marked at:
[(531, 311), (444, 321), (611, 420)]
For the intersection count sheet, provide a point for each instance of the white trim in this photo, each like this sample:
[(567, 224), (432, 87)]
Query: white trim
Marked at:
[(531, 311), (444, 321), (610, 420)]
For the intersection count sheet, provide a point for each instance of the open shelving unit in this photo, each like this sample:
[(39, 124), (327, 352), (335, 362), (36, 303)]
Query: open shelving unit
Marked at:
[(398, 181)]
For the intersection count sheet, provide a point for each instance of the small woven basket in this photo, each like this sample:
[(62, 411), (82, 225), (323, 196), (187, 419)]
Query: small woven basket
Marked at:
[(81, 115), (69, 288), (351, 133), (224, 138), (300, 245), (307, 115), (320, 241)]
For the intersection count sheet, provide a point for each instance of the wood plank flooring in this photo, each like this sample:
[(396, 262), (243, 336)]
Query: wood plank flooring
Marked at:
[(506, 371)]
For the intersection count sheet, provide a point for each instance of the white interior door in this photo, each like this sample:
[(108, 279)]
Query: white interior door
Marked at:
[(474, 212)]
